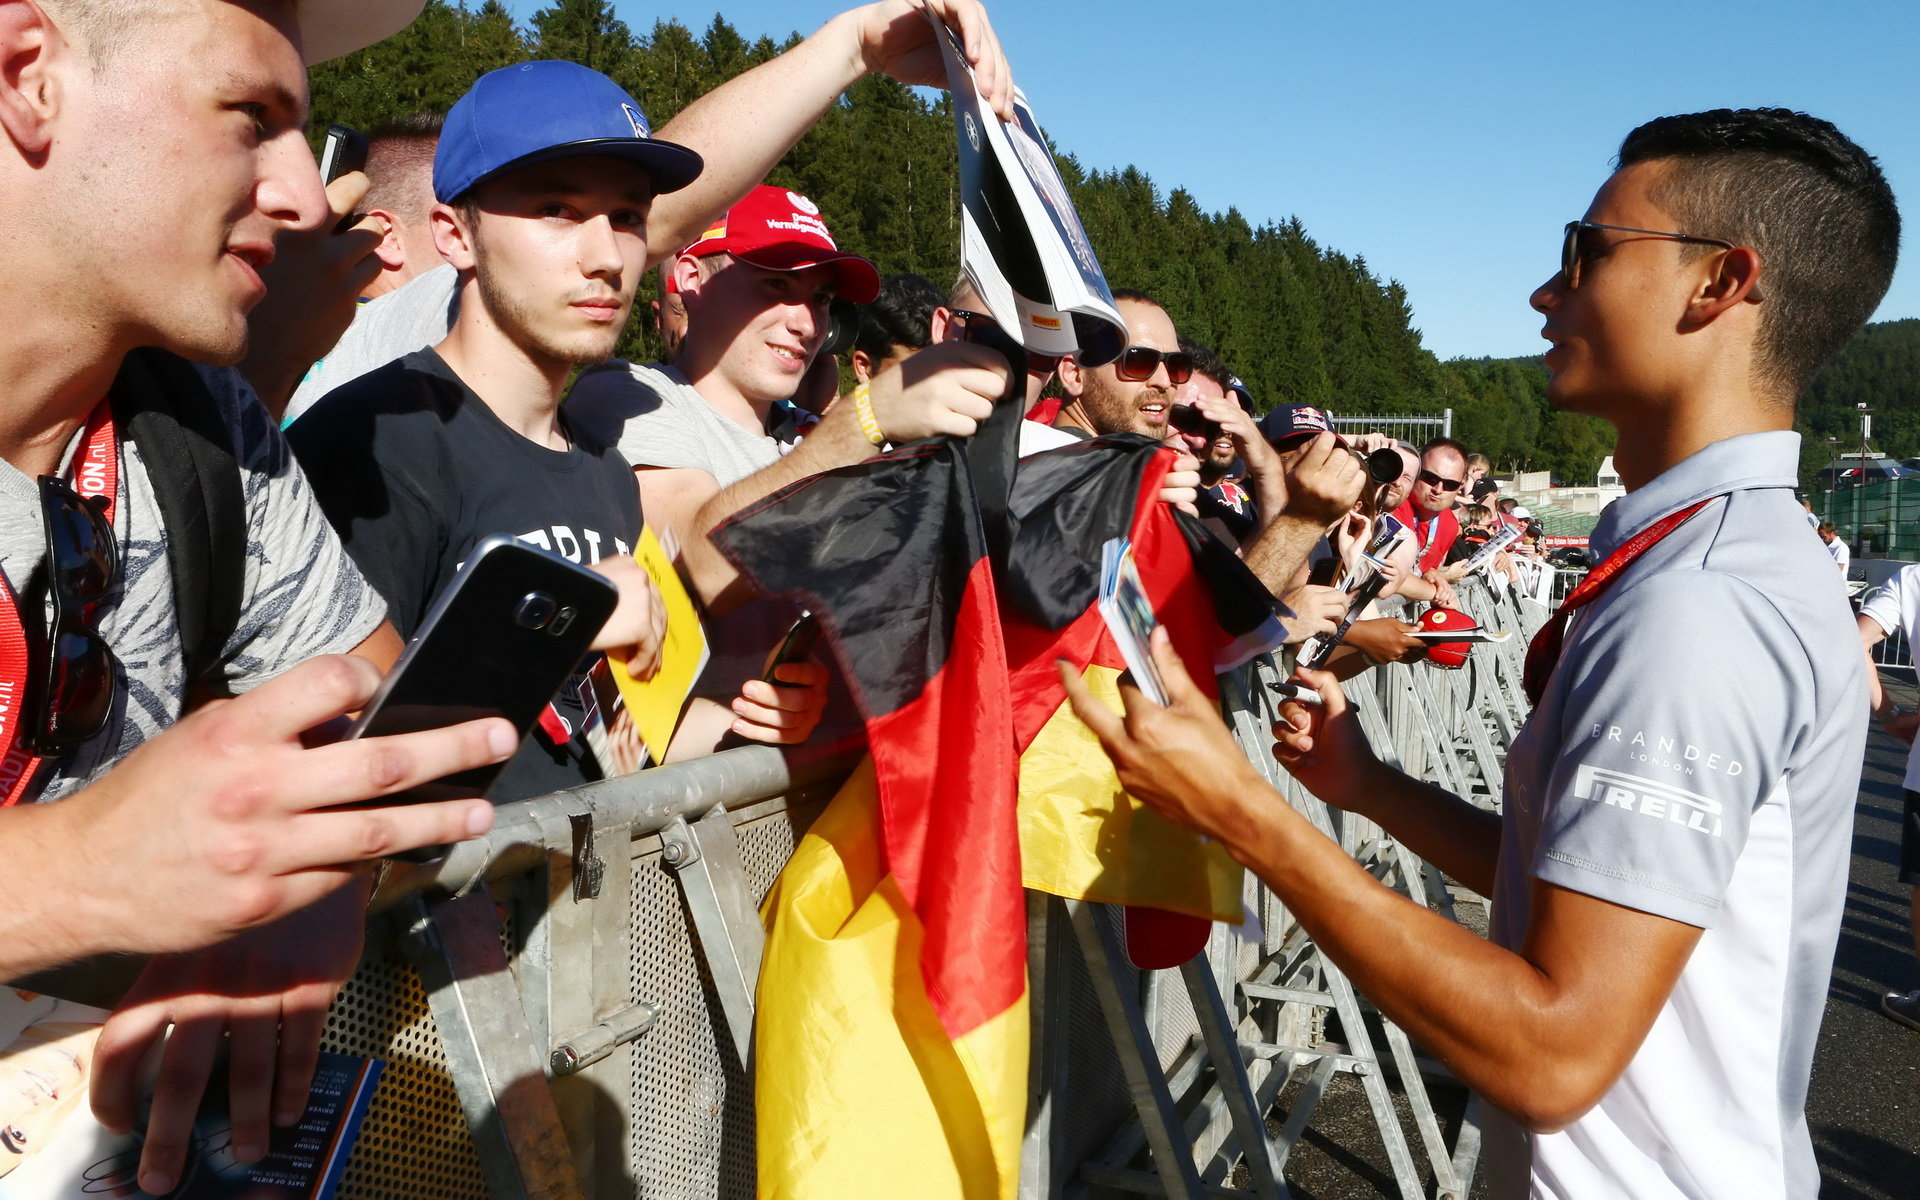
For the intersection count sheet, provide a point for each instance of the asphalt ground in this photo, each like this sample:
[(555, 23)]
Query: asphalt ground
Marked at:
[(1863, 1104)]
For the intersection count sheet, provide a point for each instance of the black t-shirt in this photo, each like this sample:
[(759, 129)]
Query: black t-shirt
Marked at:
[(414, 470), (1231, 504)]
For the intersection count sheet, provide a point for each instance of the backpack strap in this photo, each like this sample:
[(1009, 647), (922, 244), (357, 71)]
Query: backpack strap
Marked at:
[(164, 407)]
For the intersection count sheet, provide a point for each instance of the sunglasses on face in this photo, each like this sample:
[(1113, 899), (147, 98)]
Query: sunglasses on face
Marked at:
[(983, 329), (76, 686), (1436, 481), (1578, 245), (1136, 364)]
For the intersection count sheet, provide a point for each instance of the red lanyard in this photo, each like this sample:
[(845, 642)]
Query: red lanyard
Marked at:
[(1544, 652), (96, 473)]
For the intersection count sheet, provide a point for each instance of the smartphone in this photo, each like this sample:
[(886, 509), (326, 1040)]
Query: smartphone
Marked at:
[(796, 646), (499, 641), (342, 152)]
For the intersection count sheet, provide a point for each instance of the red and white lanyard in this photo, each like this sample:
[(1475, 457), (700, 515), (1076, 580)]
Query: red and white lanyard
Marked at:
[(96, 474), (1543, 653)]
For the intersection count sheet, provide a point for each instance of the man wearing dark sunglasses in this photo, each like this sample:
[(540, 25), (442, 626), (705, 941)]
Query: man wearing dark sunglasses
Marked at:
[(1669, 873), (1134, 393), (1429, 511)]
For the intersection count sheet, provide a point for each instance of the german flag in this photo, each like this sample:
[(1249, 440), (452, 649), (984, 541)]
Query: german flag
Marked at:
[(892, 1038)]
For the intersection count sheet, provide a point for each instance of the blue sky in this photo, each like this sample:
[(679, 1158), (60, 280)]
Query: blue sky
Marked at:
[(1445, 142)]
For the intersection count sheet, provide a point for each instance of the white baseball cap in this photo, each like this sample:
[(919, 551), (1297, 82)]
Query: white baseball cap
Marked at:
[(333, 28), (1520, 511)]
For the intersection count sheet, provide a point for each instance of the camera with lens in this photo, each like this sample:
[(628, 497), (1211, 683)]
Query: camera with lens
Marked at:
[(1187, 419), (843, 326)]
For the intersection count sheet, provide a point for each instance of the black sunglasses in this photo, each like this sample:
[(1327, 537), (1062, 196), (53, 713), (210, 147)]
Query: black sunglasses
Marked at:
[(983, 329), (1444, 484), (76, 685), (1136, 364), (1574, 250)]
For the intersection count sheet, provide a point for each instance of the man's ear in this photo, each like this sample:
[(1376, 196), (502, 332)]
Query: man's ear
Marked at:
[(29, 88), (391, 251), (1073, 380), (452, 238), (940, 324), (686, 279), (1735, 280), (862, 364)]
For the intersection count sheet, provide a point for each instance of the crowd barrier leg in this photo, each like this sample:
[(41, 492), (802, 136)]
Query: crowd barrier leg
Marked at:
[(496, 1065), (705, 857), (1133, 1043)]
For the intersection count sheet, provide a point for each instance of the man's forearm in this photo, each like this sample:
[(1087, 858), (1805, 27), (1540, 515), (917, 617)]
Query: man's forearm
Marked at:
[(1277, 551), (745, 126), (835, 442), (42, 894), (1500, 1022), (1460, 839)]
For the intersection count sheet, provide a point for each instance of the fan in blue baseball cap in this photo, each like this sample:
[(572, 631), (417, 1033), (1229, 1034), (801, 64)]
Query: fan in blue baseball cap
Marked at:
[(535, 112)]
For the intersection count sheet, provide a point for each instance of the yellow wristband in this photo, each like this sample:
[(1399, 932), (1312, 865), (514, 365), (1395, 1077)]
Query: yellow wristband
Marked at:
[(863, 412)]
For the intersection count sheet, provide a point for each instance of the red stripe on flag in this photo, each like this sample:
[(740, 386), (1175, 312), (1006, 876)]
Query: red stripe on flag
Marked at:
[(947, 776)]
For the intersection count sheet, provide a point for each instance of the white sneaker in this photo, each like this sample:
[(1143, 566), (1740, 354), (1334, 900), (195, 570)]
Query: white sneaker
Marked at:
[(1902, 1007)]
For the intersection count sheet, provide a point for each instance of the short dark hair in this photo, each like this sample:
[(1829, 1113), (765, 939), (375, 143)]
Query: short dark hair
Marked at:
[(400, 165), (901, 315), (1444, 443), (1206, 362), (1137, 296), (1814, 205)]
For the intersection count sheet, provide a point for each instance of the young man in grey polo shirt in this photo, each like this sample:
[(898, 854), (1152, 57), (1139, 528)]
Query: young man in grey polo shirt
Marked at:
[(1669, 873)]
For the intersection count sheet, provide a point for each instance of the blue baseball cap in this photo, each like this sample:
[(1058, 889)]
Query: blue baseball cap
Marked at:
[(533, 112)]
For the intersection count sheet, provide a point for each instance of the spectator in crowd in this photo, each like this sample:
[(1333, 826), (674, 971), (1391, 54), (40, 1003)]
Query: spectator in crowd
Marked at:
[(400, 196), (1836, 546), (151, 156), (1428, 511), (742, 128), (1643, 1019), (1226, 501), (896, 326), (1479, 466), (543, 187), (1133, 393), (414, 298), (963, 312), (757, 290), (1892, 608)]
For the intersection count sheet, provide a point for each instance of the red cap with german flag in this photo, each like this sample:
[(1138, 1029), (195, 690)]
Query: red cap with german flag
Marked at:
[(778, 230)]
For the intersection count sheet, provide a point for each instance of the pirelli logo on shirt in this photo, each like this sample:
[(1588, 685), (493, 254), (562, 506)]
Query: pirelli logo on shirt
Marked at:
[(1648, 797)]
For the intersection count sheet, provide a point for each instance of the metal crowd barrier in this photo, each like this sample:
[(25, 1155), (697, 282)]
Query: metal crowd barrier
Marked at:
[(576, 1022)]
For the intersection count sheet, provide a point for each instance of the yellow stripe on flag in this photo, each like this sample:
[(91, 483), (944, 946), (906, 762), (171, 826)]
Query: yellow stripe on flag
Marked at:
[(859, 1091), (1083, 838)]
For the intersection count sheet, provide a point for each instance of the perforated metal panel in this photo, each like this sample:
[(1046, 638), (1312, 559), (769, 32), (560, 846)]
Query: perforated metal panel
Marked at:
[(691, 1136), (415, 1142)]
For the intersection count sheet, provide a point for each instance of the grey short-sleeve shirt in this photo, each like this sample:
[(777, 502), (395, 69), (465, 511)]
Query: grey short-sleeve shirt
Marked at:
[(301, 596), (653, 416), (1696, 756)]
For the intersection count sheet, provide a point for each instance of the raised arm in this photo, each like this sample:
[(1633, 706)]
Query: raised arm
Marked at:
[(745, 126)]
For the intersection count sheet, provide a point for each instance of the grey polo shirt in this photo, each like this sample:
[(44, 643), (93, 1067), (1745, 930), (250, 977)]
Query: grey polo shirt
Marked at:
[(1696, 756)]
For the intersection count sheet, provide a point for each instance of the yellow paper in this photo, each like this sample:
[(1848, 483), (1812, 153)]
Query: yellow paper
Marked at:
[(655, 704)]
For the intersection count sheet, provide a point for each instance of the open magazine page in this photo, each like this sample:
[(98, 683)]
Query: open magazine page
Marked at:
[(51, 1148), (1483, 557), (1021, 242)]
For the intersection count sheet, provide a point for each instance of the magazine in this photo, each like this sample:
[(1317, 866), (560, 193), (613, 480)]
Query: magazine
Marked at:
[(1129, 616), (1021, 242), (1363, 585), (51, 1148), (656, 704), (1483, 557)]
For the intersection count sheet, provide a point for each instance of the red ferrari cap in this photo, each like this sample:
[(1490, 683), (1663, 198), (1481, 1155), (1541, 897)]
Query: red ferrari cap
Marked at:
[(780, 230), (1442, 620)]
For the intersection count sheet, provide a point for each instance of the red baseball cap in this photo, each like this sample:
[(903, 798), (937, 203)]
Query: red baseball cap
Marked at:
[(779, 230)]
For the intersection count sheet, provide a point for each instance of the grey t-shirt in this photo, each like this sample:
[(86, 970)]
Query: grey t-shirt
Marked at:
[(1696, 756), (300, 597), (415, 315), (652, 415)]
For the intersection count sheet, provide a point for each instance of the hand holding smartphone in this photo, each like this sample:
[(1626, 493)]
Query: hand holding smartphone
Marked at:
[(499, 641)]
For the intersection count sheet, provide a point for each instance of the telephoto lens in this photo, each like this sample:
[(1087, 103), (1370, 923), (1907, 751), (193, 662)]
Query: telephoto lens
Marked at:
[(1383, 465)]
